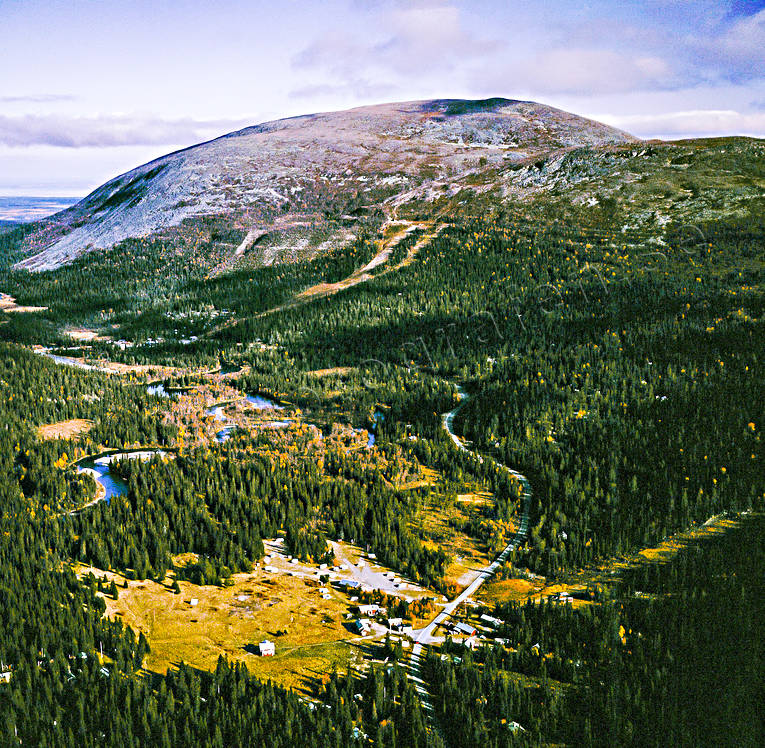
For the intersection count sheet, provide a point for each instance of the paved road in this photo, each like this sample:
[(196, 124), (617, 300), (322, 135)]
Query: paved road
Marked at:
[(424, 636)]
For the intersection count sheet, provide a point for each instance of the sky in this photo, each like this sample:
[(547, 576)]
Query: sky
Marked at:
[(92, 88)]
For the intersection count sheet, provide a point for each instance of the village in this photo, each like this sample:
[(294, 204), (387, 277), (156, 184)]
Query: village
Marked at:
[(290, 621)]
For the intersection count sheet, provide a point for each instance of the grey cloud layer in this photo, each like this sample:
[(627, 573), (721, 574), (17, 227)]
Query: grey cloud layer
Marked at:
[(37, 98), (108, 131)]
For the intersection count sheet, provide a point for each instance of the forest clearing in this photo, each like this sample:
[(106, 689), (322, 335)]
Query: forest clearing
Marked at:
[(65, 429)]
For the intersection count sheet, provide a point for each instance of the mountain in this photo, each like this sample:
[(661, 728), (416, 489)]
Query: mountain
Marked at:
[(308, 169)]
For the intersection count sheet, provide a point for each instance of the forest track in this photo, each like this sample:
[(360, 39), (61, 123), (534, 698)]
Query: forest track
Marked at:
[(360, 275), (228, 263), (424, 636), (364, 274)]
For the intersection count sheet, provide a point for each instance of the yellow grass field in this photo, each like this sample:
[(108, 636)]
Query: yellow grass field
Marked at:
[(84, 334), (516, 590), (433, 523), (340, 371), (230, 621)]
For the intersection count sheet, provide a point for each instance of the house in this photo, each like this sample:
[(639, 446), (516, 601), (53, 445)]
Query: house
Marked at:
[(465, 628), (193, 602), (371, 610), (398, 624), (490, 620), (362, 625), (266, 648)]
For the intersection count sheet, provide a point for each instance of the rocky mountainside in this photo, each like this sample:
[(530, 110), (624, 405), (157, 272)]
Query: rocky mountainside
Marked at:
[(338, 164)]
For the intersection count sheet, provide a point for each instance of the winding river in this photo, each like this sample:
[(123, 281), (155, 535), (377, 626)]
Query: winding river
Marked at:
[(259, 403), (100, 468), (113, 485)]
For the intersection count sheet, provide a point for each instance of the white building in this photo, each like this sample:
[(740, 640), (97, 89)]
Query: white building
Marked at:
[(362, 625), (491, 620), (371, 610), (398, 624), (266, 648)]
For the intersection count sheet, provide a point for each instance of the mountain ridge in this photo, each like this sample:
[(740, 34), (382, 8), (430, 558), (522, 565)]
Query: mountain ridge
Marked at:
[(316, 164)]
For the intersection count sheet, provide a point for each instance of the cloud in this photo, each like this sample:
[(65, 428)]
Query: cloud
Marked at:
[(411, 38), (740, 50), (729, 49), (699, 123), (37, 98), (334, 53), (580, 71), (109, 131), (358, 88)]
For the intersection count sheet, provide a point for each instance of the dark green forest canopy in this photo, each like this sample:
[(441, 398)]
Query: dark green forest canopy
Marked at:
[(621, 376), (673, 655)]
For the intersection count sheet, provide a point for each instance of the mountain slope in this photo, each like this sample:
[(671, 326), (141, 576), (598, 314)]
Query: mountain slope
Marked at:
[(316, 165)]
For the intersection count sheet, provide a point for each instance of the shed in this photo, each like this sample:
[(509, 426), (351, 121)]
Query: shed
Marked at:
[(266, 648)]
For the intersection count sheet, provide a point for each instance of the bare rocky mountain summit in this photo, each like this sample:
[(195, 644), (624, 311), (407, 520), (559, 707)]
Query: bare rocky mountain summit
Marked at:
[(335, 163)]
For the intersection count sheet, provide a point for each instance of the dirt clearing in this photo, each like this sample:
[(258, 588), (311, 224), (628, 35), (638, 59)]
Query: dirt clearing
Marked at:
[(65, 429)]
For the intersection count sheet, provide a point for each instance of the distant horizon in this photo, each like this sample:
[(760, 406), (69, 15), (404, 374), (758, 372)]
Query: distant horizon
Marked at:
[(14, 209)]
